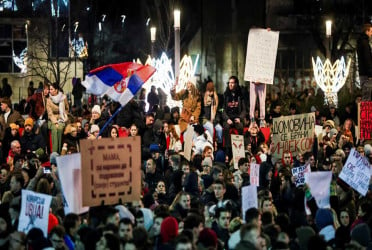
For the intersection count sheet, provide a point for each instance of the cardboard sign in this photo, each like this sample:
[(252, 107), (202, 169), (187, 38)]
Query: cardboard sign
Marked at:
[(237, 145), (260, 61), (254, 174), (34, 211), (293, 133), (249, 198), (69, 173), (187, 138), (111, 170), (356, 172), (365, 120), (299, 174), (320, 185)]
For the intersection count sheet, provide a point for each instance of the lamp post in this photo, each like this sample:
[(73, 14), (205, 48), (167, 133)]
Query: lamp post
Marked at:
[(75, 44), (177, 27), (153, 38)]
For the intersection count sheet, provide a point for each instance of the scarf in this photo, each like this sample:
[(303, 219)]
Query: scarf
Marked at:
[(59, 99)]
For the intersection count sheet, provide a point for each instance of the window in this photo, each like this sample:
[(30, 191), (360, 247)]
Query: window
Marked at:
[(12, 39)]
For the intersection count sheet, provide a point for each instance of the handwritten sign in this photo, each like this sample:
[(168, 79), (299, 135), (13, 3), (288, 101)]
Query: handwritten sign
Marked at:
[(365, 120), (299, 174), (319, 184), (188, 135), (254, 176), (34, 211), (261, 55), (111, 170), (249, 198), (318, 130), (293, 133), (356, 172), (237, 145), (69, 173)]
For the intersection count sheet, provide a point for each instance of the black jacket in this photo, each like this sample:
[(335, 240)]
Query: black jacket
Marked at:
[(364, 56)]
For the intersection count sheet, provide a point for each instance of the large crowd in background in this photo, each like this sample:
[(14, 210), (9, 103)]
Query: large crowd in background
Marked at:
[(185, 204)]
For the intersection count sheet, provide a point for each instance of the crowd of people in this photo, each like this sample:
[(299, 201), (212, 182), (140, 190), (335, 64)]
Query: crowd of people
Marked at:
[(193, 204), (187, 204)]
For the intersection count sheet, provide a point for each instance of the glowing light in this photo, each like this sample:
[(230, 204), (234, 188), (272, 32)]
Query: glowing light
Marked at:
[(330, 78), (79, 47), (21, 60), (328, 28), (177, 17), (153, 34)]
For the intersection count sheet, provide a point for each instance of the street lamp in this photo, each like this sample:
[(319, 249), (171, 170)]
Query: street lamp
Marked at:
[(153, 38), (177, 27)]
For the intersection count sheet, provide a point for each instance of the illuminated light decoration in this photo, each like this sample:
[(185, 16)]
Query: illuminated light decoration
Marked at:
[(79, 47), (164, 76), (21, 60), (331, 78)]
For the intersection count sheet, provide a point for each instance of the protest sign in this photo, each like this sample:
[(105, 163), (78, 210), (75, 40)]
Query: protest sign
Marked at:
[(299, 174), (187, 138), (320, 185), (34, 211), (254, 174), (294, 133), (249, 198), (69, 173), (318, 130), (356, 172), (237, 145), (365, 120), (261, 55), (111, 170)]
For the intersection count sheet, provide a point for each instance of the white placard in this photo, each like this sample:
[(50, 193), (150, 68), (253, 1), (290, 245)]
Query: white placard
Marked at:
[(356, 172), (69, 173), (318, 130), (187, 136), (261, 55), (320, 185), (34, 211), (238, 151), (254, 174), (249, 198)]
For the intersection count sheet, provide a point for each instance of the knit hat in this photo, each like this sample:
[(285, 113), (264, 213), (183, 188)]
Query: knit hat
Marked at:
[(207, 162), (333, 132), (7, 101), (329, 123), (148, 218), (94, 128), (367, 149), (13, 126), (29, 121), (361, 234), (96, 109), (313, 109), (303, 234), (52, 222), (125, 213), (169, 229), (208, 238), (39, 152), (323, 218)]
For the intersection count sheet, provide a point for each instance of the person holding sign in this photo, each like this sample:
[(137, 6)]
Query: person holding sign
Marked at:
[(233, 110)]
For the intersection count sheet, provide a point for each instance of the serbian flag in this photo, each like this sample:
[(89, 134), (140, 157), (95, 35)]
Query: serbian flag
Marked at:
[(119, 81)]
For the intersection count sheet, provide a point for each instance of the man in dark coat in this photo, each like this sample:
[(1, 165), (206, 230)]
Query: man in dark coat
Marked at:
[(365, 61)]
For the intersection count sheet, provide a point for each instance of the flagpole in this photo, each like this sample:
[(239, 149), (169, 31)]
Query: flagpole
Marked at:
[(110, 120)]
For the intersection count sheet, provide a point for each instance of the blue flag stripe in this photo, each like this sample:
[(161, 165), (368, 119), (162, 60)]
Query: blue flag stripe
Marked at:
[(108, 76), (135, 83)]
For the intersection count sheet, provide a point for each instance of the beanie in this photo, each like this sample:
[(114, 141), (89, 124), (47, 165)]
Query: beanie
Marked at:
[(13, 126), (96, 109), (168, 229), (323, 218), (208, 238), (52, 222), (94, 128), (361, 234), (29, 121)]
